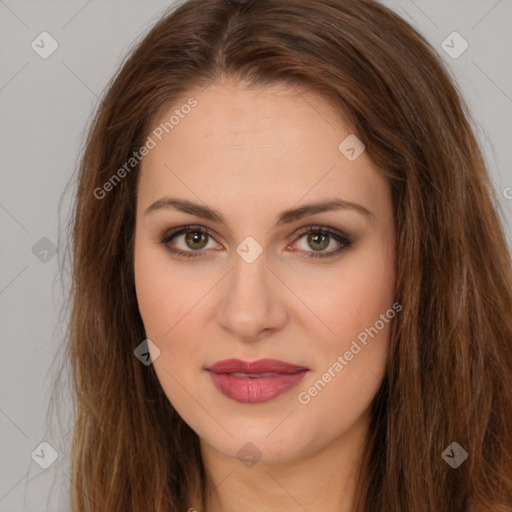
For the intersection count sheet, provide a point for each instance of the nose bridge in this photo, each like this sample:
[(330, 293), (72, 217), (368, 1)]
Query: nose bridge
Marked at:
[(251, 304), (249, 276)]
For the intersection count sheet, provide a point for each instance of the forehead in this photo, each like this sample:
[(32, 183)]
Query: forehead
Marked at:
[(230, 113), (245, 144)]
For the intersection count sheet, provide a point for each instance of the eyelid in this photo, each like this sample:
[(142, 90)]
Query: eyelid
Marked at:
[(321, 228)]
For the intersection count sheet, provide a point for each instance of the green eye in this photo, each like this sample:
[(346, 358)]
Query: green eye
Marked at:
[(319, 238)]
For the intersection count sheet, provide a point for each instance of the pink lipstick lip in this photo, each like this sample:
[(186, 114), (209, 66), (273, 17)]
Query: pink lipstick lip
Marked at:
[(272, 378), (251, 367)]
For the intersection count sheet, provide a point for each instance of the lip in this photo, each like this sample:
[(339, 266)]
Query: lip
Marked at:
[(247, 389)]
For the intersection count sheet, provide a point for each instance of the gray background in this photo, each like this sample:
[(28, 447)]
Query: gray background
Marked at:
[(45, 105)]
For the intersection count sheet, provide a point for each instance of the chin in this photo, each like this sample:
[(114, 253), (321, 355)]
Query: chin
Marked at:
[(254, 446)]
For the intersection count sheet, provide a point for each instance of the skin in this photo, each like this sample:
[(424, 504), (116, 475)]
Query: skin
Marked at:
[(250, 153)]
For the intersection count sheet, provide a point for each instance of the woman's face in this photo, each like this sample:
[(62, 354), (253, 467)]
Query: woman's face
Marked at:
[(247, 166)]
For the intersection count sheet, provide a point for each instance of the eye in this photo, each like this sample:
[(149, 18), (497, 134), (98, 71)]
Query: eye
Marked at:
[(320, 238), (195, 238)]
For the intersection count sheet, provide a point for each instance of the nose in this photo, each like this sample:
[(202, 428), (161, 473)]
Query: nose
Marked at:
[(253, 305)]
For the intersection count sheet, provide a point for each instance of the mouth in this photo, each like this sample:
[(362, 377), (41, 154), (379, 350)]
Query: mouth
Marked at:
[(256, 381)]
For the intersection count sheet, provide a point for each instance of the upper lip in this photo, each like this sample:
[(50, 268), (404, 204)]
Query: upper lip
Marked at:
[(252, 367)]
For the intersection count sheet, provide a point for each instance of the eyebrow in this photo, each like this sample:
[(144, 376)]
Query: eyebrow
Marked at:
[(284, 217)]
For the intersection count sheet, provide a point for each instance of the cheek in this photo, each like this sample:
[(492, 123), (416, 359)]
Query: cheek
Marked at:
[(169, 302), (370, 291), (365, 325), (165, 299), (350, 298), (157, 290), (351, 359)]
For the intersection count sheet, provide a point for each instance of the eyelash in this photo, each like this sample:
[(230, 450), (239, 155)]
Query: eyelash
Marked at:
[(339, 237)]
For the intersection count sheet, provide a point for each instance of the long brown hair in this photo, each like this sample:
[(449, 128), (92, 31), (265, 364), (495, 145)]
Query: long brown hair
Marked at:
[(449, 371)]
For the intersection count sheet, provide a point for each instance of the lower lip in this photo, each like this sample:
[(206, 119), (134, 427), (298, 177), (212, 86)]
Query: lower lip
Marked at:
[(254, 391)]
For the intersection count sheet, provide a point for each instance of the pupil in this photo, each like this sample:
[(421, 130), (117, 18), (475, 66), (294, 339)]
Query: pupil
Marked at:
[(194, 237), (316, 238)]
